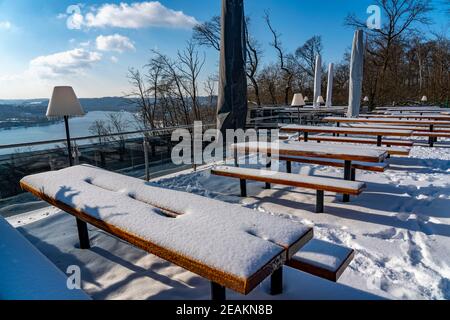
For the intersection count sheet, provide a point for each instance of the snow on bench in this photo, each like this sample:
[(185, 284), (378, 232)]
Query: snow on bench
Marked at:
[(323, 259), (26, 274), (389, 150), (231, 246), (366, 166), (387, 142), (316, 183)]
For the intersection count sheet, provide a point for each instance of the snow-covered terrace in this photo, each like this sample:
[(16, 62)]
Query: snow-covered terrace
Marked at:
[(400, 228)]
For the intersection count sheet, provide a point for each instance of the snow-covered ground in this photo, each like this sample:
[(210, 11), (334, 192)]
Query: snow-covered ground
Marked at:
[(400, 228)]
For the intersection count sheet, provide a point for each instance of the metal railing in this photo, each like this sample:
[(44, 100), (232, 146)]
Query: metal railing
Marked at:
[(140, 153)]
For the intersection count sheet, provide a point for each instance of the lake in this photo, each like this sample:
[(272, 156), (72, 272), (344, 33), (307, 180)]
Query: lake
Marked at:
[(79, 127)]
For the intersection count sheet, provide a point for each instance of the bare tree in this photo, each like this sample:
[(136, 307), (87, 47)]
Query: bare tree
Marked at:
[(254, 53), (99, 129), (307, 53), (402, 16), (173, 86), (208, 34), (191, 64), (276, 43), (140, 96)]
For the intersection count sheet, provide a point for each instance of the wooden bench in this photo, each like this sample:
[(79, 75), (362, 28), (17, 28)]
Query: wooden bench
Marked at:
[(232, 246), (386, 142), (400, 151), (365, 166), (295, 180), (322, 259), (26, 274), (413, 128)]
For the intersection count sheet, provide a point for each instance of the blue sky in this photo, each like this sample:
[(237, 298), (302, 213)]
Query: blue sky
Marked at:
[(39, 49)]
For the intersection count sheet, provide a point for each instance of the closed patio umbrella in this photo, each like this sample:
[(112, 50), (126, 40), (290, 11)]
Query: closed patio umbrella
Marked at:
[(317, 80), (232, 101), (329, 102), (356, 75)]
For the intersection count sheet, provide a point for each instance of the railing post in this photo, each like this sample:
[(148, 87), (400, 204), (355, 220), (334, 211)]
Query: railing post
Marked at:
[(147, 169)]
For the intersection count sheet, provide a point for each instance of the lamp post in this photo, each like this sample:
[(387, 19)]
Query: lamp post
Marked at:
[(298, 102), (320, 101), (306, 99), (424, 99), (64, 103)]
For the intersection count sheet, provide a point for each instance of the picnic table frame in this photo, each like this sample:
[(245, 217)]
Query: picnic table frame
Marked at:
[(301, 150), (430, 123), (347, 130)]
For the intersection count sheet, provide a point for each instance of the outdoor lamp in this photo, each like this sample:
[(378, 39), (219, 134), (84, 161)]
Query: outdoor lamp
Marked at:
[(424, 99), (64, 103), (298, 102), (366, 99), (320, 100), (305, 99)]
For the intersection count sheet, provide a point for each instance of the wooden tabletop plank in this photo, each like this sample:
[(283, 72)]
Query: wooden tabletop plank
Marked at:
[(411, 108), (347, 130), (407, 116), (314, 150), (387, 121), (423, 128)]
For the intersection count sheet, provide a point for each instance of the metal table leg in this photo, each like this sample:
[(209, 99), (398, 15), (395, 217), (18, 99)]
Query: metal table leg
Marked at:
[(348, 177)]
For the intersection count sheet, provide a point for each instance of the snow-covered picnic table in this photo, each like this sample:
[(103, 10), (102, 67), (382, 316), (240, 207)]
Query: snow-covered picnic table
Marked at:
[(232, 246), (432, 116), (432, 124), (347, 154), (379, 133), (411, 109)]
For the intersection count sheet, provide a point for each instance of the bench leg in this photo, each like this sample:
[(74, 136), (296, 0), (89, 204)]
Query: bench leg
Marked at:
[(276, 282), (288, 167), (243, 188), (305, 136), (379, 141), (348, 177), (268, 166), (319, 201), (353, 174), (217, 292), (83, 234)]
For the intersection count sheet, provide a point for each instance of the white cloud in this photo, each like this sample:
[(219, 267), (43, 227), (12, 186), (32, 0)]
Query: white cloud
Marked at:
[(115, 42), (64, 63), (5, 25), (114, 59), (132, 16)]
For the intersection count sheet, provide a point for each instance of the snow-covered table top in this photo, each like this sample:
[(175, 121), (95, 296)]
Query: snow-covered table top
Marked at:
[(315, 150), (346, 130), (433, 116), (235, 241), (26, 274), (387, 121)]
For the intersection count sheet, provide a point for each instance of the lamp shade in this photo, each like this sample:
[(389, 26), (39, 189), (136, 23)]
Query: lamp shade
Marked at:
[(366, 99), (64, 102), (424, 99), (320, 99), (298, 101), (305, 99)]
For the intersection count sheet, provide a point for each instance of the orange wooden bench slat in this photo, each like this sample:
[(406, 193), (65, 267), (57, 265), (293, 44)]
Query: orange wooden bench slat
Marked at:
[(381, 167), (361, 140), (300, 184)]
